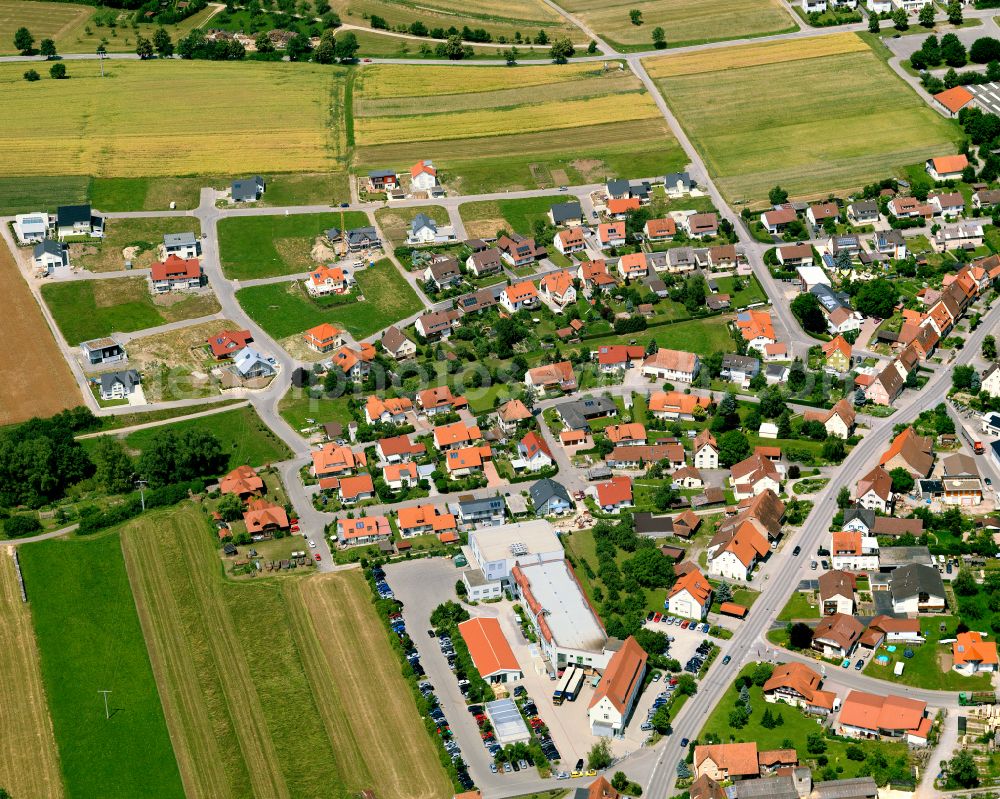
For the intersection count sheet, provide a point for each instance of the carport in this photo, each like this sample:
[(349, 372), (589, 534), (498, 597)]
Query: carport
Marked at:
[(508, 723)]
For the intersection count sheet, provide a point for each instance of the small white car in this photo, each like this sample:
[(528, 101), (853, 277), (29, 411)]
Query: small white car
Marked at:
[(312, 544)]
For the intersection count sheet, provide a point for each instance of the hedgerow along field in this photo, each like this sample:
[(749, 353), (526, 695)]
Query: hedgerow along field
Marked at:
[(38, 382), (90, 640), (78, 28), (261, 680), (784, 135), (253, 117), (28, 762), (502, 129), (506, 19), (686, 22)]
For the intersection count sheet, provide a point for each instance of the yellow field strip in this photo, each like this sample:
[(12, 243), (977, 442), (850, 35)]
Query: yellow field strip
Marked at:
[(753, 55), (420, 81), (29, 765)]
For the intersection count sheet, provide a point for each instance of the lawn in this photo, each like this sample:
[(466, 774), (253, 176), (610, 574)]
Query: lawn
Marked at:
[(93, 126), (798, 607), (25, 194), (923, 670), (128, 419), (297, 406), (795, 729), (686, 22), (106, 255), (373, 44), (485, 218), (265, 246), (395, 222), (38, 382), (29, 766), (785, 140), (285, 310), (545, 126), (702, 336), (242, 433), (307, 189), (149, 194), (750, 293), (88, 309), (90, 641)]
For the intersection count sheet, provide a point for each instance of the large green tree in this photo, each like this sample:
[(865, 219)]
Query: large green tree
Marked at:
[(23, 40), (733, 447), (877, 298), (113, 468)]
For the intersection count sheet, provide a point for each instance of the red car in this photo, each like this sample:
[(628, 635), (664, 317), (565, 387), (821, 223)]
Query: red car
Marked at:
[(684, 625), (317, 556), (294, 528), (657, 617)]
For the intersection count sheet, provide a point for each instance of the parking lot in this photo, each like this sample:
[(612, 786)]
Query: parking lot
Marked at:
[(421, 585)]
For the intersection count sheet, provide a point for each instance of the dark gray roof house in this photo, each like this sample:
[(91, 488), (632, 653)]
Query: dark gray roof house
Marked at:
[(127, 379), (69, 215), (546, 490), (828, 298), (478, 300), (577, 413), (565, 212), (50, 247), (861, 516), (678, 180), (421, 221), (248, 189), (618, 188), (914, 579), (650, 525)]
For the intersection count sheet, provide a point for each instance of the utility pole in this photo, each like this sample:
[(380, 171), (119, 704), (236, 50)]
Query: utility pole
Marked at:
[(141, 485), (101, 52), (107, 714)]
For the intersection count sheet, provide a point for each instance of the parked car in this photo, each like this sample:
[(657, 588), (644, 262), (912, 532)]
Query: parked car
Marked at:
[(797, 550)]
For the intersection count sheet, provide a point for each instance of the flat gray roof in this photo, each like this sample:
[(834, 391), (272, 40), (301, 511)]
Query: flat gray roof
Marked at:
[(507, 721), (572, 622)]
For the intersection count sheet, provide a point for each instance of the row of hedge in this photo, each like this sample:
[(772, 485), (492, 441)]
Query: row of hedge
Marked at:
[(92, 520)]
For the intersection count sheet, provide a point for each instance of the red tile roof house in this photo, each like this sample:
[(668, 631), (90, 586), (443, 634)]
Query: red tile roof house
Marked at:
[(797, 684), (557, 290), (334, 461), (554, 375), (631, 434), (816, 215), (398, 449), (456, 435), (490, 651), (947, 167), (437, 400), (242, 481), (874, 491), (262, 519), (519, 251), (175, 274), (612, 357), (366, 530), (519, 296), (227, 342), (615, 494), (463, 462), (568, 241), (324, 337), (633, 266), (399, 475), (660, 229), (388, 411), (777, 219), (673, 365), (702, 226), (424, 519), (533, 453), (619, 209), (611, 234), (356, 489), (619, 688), (889, 717), (595, 277)]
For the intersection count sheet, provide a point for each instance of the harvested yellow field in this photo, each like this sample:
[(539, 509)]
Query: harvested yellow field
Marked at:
[(28, 762), (408, 81), (380, 745), (543, 116), (44, 20), (753, 55), (172, 118)]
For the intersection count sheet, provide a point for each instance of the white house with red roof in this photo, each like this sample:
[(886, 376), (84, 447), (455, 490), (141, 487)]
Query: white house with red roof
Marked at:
[(423, 176), (175, 274), (615, 494), (533, 453)]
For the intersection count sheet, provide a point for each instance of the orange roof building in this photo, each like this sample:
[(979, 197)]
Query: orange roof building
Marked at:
[(356, 489), (971, 654), (943, 167), (262, 518), (626, 434), (675, 404), (242, 481), (324, 337), (872, 716), (622, 206), (490, 652), (727, 761), (618, 689), (690, 596), (615, 494), (366, 530), (954, 100), (424, 519), (333, 460), (798, 684)]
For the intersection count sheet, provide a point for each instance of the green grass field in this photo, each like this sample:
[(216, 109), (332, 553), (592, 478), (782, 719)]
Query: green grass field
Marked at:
[(242, 433), (702, 336), (796, 728), (92, 126), (307, 189), (90, 640), (149, 194), (284, 309), (297, 406), (503, 129), (44, 20), (25, 194), (685, 22), (264, 246), (88, 309), (784, 138), (518, 216)]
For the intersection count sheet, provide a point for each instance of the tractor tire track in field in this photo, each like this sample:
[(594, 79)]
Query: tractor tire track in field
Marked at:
[(29, 765), (209, 694), (371, 717)]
